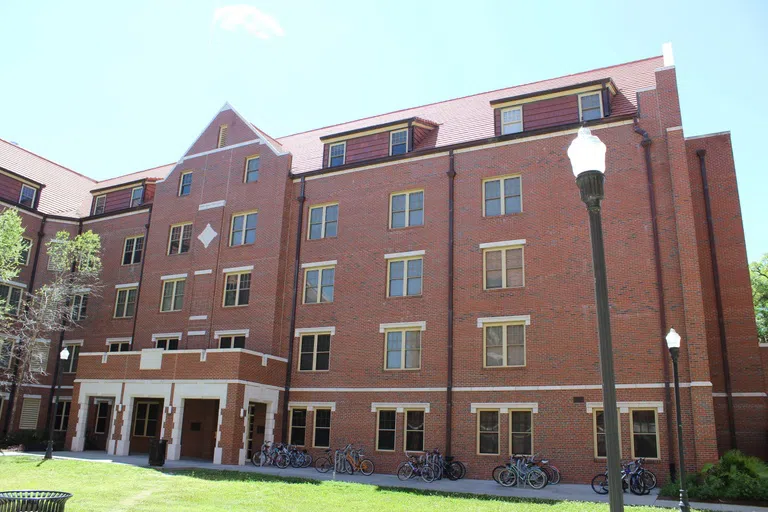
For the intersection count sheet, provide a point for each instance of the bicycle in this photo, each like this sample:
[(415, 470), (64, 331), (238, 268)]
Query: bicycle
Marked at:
[(632, 478), (416, 466), (347, 460), (521, 469), (299, 458), (553, 474), (445, 465), (271, 455)]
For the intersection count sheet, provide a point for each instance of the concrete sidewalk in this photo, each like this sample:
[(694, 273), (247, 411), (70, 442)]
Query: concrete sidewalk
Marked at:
[(560, 492)]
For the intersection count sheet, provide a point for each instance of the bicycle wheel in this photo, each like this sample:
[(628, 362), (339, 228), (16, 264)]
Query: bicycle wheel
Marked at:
[(347, 467), (497, 471), (281, 460), (507, 477), (649, 479), (404, 471), (536, 478), (323, 464), (437, 470), (307, 460), (294, 460), (553, 474), (259, 459), (463, 469), (428, 473), (367, 467), (636, 485), (600, 483), (453, 471)]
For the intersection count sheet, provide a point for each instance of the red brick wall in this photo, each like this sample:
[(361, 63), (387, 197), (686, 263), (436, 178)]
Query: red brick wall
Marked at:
[(10, 188), (551, 112)]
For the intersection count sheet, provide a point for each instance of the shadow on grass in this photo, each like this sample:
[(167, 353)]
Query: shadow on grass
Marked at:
[(239, 476), (236, 476)]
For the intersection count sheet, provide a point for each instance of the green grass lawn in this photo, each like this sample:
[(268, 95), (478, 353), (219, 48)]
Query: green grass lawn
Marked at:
[(115, 487)]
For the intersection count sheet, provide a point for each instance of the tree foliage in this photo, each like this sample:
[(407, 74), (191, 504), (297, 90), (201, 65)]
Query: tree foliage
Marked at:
[(27, 330), (11, 243), (758, 273)]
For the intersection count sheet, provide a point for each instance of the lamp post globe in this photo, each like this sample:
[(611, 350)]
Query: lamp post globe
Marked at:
[(587, 156)]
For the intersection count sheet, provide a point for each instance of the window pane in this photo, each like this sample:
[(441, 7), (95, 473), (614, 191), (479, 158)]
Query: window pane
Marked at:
[(412, 349), (521, 444), (306, 361), (322, 437), (493, 275), (600, 425), (332, 213), (416, 218), (315, 231), (590, 101), (387, 420), (330, 229), (327, 288), (323, 342), (521, 421), (398, 203), (644, 422), (489, 443), (492, 189), (512, 205), (316, 215), (494, 350), (515, 345), (323, 418), (489, 421), (225, 342), (492, 207), (310, 287), (398, 219), (394, 349), (645, 446), (386, 440), (322, 361)]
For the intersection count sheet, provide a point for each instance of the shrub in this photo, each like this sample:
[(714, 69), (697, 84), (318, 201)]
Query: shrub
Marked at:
[(735, 477), (32, 440)]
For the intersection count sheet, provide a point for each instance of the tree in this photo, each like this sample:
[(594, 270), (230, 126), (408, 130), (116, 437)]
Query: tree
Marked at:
[(28, 326), (11, 244), (758, 274)]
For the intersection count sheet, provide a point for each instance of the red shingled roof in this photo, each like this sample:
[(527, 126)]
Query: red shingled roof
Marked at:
[(155, 173), (471, 117), (65, 192)]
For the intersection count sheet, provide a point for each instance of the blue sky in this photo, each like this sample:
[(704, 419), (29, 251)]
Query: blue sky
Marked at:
[(109, 87)]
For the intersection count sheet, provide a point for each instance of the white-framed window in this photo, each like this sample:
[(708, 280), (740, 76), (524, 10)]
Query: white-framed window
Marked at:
[(322, 434), (337, 154), (10, 298), (222, 140), (645, 435), (488, 432), (315, 352), (598, 427), (504, 344), (502, 196), (406, 209), (27, 196), (323, 221), (414, 430), (167, 343), (520, 432), (319, 284), (590, 106), (232, 341), (386, 429), (137, 196), (133, 249), (298, 426), (30, 412), (511, 120), (404, 276), (6, 352), (120, 346), (173, 295), (503, 267), (243, 228), (398, 142), (26, 248), (403, 349), (70, 364), (146, 419), (79, 307), (103, 410), (185, 183), (180, 238), (252, 164), (99, 204), (125, 302), (237, 289)]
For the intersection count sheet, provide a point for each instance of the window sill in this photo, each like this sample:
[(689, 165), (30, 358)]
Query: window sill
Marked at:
[(404, 228), (503, 289), (505, 367), (315, 303), (502, 215), (314, 371), (323, 238), (405, 296), (172, 311), (236, 306), (402, 369), (489, 454)]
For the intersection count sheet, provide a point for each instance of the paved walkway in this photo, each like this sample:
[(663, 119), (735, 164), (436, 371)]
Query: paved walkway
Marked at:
[(560, 492)]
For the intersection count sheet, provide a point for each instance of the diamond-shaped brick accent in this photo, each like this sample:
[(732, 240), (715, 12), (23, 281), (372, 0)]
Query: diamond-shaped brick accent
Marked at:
[(207, 235)]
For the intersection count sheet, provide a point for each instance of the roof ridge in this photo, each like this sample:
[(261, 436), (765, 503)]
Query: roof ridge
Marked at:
[(47, 159), (135, 172), (279, 139)]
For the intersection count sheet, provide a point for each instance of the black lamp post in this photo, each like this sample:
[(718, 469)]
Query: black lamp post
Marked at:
[(63, 356), (673, 342), (587, 155)]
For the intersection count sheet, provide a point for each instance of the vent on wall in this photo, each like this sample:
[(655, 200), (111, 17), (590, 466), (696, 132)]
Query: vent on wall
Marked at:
[(222, 135), (30, 410)]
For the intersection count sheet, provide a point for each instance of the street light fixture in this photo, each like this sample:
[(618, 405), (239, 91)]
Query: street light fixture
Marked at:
[(587, 155), (673, 343), (63, 356)]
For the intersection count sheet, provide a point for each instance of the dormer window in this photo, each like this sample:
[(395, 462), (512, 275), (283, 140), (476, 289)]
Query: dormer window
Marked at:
[(137, 195), (337, 154), (100, 204), (398, 142), (222, 136), (590, 106), (512, 120), (27, 196)]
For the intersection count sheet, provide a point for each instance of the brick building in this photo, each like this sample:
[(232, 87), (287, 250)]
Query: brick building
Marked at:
[(412, 280)]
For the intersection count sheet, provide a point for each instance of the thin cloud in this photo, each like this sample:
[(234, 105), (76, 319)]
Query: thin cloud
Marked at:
[(252, 20)]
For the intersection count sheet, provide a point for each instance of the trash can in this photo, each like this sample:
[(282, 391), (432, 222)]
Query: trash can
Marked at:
[(42, 501), (156, 452)]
